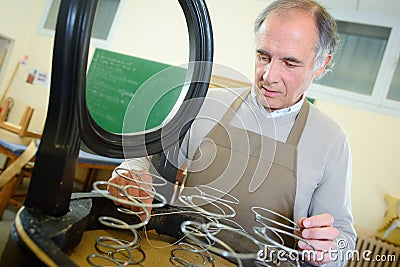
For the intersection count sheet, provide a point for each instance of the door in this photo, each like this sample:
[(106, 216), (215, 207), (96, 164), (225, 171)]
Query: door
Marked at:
[(5, 48)]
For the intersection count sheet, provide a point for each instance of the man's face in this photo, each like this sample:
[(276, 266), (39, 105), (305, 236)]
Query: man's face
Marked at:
[(285, 47)]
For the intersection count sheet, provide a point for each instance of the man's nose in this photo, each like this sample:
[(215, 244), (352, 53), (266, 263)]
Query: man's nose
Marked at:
[(271, 72)]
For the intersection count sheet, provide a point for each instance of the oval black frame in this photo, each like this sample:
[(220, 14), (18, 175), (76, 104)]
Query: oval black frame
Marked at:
[(200, 58), (69, 121)]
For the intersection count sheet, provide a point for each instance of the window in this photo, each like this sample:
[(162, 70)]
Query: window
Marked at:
[(394, 90), (366, 69), (363, 44), (104, 20)]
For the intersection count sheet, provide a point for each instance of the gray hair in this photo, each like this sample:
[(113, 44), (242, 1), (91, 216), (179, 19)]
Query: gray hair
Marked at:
[(326, 25)]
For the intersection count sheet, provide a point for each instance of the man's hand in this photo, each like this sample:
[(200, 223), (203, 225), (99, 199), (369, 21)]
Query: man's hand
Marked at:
[(318, 230), (143, 182)]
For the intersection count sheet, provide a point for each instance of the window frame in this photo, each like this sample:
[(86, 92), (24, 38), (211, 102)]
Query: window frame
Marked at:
[(377, 101), (93, 41)]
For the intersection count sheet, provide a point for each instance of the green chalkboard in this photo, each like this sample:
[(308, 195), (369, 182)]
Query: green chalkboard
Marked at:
[(131, 94)]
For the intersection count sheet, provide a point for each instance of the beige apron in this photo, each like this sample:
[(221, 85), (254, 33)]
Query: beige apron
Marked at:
[(257, 170)]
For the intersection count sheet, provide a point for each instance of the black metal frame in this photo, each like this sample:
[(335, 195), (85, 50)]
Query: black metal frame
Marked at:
[(199, 73), (68, 119)]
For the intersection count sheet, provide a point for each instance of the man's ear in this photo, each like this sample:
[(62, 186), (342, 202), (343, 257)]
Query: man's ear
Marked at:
[(321, 70)]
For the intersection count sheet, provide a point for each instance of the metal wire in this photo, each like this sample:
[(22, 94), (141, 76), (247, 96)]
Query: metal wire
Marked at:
[(194, 230), (119, 247), (200, 239), (291, 254), (112, 249)]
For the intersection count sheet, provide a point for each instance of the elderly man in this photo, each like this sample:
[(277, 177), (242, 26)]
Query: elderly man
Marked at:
[(273, 149)]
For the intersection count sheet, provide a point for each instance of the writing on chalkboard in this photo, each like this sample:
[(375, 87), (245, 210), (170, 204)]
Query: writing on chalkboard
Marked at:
[(117, 84)]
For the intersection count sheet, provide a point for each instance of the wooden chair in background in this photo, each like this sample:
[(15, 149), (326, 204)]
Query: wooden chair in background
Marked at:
[(19, 168), (20, 160), (22, 128), (16, 168), (17, 155)]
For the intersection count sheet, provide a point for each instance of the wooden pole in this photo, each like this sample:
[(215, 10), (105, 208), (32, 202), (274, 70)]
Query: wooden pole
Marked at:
[(9, 84), (3, 56)]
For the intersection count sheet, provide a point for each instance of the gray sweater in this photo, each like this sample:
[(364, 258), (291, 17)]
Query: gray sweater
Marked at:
[(324, 157)]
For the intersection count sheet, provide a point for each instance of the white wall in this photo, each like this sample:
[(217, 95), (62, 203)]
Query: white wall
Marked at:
[(375, 147), (19, 21), (157, 32)]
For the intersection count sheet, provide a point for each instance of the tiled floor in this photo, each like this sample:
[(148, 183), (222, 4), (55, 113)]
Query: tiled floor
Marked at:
[(5, 226)]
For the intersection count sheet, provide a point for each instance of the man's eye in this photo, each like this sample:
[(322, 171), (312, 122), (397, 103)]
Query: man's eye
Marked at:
[(263, 58), (291, 65)]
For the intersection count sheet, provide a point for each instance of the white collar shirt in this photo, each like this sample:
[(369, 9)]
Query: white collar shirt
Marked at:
[(276, 113)]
